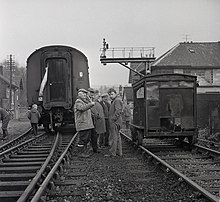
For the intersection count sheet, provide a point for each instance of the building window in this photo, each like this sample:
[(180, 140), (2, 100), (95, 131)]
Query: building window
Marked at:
[(205, 74), (7, 93)]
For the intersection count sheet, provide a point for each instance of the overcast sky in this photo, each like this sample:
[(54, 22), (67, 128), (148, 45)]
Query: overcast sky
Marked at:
[(26, 25)]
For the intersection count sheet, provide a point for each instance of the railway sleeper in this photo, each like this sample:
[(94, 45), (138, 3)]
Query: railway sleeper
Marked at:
[(68, 182), (13, 185), (33, 152), (17, 176), (10, 196), (204, 177), (20, 169), (28, 156), (21, 164), (24, 160)]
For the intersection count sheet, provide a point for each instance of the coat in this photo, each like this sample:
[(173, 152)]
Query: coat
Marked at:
[(115, 112), (106, 107), (4, 114), (100, 121), (33, 115), (5, 117), (82, 115), (115, 123)]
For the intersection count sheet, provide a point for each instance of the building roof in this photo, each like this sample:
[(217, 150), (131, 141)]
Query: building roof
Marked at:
[(191, 54), (7, 81)]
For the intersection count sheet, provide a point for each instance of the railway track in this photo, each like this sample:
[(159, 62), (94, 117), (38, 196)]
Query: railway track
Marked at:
[(72, 177), (26, 164), (198, 166), (21, 138), (49, 169)]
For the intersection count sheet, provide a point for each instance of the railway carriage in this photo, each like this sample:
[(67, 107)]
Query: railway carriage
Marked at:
[(165, 107), (54, 74)]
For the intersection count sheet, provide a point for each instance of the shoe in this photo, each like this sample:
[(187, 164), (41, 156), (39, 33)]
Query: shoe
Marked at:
[(96, 151), (84, 155), (109, 155)]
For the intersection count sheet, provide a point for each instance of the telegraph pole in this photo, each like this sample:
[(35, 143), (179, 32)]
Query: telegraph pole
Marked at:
[(11, 65), (10, 95)]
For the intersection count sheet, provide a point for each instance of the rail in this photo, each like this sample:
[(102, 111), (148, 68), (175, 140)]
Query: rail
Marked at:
[(181, 176), (45, 183)]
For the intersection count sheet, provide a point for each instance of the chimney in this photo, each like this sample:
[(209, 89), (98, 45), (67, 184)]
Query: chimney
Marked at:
[(1, 70)]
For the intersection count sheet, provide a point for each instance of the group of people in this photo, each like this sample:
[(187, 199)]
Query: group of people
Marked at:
[(98, 122)]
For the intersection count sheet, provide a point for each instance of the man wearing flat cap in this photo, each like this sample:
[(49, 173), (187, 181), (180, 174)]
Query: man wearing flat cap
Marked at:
[(106, 106), (83, 121), (95, 117), (82, 90)]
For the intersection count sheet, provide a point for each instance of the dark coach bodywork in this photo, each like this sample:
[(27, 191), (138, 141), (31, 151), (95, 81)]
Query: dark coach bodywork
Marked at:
[(54, 74), (165, 106)]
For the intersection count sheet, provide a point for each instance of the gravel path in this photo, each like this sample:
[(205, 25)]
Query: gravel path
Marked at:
[(15, 128)]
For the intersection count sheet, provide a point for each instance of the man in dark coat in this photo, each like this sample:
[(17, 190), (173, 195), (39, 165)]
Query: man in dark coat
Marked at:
[(95, 117), (115, 122), (5, 117), (106, 106)]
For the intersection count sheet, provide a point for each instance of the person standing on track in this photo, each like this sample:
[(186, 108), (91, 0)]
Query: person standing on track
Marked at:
[(100, 126), (115, 123), (83, 121), (5, 117), (106, 106), (34, 116), (95, 117)]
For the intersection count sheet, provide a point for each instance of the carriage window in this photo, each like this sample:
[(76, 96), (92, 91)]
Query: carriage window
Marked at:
[(176, 84), (140, 93), (186, 84), (169, 84), (152, 93)]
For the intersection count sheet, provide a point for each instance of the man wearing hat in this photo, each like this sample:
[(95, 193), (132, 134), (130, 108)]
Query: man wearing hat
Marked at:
[(115, 123), (106, 106), (83, 120), (95, 116)]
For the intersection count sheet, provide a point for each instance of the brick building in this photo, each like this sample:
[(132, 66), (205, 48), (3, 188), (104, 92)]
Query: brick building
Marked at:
[(5, 93), (201, 59)]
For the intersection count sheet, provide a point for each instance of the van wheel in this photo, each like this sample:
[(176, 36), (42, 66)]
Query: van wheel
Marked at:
[(46, 127), (140, 137), (133, 134), (192, 139), (181, 139)]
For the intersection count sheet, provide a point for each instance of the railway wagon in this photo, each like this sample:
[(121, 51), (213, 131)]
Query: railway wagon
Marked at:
[(165, 107), (54, 74)]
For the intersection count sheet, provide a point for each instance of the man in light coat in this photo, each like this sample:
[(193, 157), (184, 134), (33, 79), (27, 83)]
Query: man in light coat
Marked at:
[(83, 120), (115, 122)]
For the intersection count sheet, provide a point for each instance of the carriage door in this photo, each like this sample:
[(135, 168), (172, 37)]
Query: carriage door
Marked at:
[(57, 79), (58, 87)]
